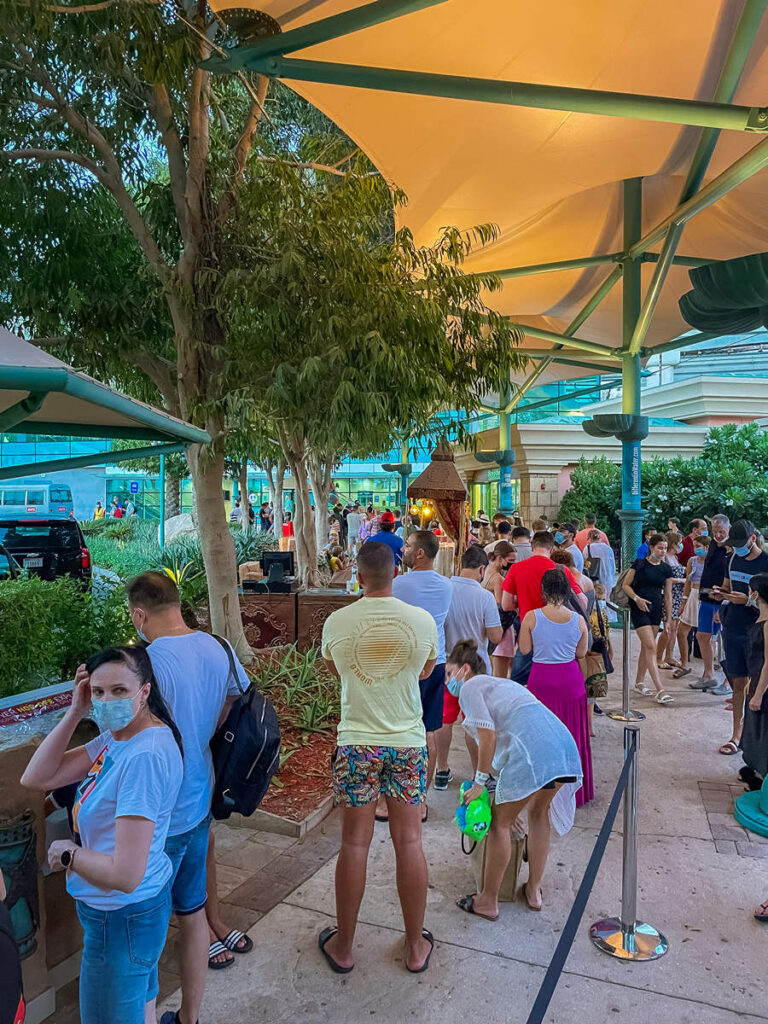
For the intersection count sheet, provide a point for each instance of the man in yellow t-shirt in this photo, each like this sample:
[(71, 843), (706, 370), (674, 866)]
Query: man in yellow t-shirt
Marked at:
[(380, 647)]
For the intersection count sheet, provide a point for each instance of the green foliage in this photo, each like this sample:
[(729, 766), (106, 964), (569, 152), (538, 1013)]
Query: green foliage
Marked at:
[(49, 628), (306, 694), (728, 477), (596, 488)]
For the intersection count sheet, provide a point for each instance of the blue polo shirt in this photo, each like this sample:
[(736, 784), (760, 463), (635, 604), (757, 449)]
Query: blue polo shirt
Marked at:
[(395, 542)]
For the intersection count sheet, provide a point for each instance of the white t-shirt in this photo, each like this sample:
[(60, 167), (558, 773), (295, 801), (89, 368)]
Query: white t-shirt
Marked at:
[(473, 610), (192, 671), (139, 778), (353, 523), (427, 589)]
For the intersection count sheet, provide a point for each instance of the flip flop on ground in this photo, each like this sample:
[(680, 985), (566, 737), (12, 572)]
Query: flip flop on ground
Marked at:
[(729, 748), (237, 942), (761, 913), (217, 949), (431, 940), (325, 934), (467, 904), (680, 672)]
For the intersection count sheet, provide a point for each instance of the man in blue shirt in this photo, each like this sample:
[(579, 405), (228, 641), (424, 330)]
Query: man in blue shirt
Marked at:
[(387, 535), (644, 550)]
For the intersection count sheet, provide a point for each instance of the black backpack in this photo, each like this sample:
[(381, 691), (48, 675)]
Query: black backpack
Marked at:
[(246, 750)]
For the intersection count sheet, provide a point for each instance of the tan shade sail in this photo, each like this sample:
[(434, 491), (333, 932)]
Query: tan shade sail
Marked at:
[(550, 179)]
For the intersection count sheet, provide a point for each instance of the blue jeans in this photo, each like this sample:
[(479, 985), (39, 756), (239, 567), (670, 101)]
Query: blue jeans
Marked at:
[(118, 975), (188, 852), (521, 667)]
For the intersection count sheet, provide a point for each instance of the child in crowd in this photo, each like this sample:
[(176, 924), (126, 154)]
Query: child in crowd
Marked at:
[(689, 606)]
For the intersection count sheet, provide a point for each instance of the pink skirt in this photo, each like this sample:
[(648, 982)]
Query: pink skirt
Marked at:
[(561, 688), (505, 648)]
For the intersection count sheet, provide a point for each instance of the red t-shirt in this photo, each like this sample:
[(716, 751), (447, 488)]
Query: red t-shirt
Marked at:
[(687, 553), (581, 541), (524, 581)]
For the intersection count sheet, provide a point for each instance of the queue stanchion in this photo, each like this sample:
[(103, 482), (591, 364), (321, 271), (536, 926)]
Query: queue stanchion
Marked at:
[(625, 937), (625, 713)]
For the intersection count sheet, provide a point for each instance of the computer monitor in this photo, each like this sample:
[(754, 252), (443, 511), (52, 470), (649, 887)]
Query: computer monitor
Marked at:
[(284, 559)]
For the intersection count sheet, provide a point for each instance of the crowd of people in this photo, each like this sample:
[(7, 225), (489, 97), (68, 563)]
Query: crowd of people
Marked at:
[(503, 648)]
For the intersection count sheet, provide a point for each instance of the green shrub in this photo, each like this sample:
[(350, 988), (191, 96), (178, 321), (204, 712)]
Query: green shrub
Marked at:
[(306, 694), (47, 628)]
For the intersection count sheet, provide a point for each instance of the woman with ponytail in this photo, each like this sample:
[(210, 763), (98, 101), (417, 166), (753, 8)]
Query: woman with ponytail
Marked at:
[(117, 868), (537, 768)]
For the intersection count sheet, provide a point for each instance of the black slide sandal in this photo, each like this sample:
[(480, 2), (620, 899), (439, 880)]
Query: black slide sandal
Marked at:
[(467, 904), (322, 938), (431, 940)]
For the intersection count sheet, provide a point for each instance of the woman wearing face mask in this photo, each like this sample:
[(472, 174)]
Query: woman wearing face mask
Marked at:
[(499, 561), (689, 606), (648, 585), (537, 768), (117, 869), (665, 645)]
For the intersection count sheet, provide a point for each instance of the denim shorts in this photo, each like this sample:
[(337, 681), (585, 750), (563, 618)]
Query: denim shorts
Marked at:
[(118, 973), (706, 622), (188, 852)]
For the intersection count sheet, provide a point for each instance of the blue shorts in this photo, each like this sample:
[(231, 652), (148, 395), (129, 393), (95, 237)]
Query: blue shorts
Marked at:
[(432, 694), (118, 973), (706, 615), (188, 852)]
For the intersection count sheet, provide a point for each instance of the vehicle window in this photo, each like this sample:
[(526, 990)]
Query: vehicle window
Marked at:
[(60, 494), (35, 498), (14, 497), (21, 536)]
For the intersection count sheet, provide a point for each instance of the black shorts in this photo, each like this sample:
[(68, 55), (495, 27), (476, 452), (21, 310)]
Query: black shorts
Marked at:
[(432, 692), (563, 780), (650, 618)]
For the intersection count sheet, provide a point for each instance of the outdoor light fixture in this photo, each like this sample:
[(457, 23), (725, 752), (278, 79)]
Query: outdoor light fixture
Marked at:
[(248, 25)]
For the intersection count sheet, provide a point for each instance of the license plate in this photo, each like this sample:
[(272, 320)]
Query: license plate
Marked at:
[(33, 563)]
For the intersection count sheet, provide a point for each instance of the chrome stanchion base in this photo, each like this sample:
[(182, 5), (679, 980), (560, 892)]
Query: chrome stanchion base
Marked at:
[(640, 942), (626, 716)]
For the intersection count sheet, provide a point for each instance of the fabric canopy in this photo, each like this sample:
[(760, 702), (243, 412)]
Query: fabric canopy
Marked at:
[(39, 392), (550, 179)]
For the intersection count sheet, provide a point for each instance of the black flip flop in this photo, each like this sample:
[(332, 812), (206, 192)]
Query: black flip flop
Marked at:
[(231, 940), (322, 938), (467, 904), (380, 817), (216, 949), (431, 940)]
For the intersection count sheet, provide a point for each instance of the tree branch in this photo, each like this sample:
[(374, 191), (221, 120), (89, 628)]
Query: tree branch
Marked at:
[(46, 155), (159, 103), (160, 371), (310, 166)]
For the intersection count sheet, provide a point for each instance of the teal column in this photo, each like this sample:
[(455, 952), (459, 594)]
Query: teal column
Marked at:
[(161, 534), (404, 477), (505, 446), (631, 514)]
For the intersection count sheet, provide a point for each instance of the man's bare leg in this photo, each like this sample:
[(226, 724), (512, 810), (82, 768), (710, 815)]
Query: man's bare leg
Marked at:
[(216, 927), (193, 930), (443, 739), (707, 654), (356, 835), (405, 829)]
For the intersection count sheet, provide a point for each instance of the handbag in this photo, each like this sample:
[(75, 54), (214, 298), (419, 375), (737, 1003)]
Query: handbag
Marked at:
[(592, 565), (602, 644), (595, 677)]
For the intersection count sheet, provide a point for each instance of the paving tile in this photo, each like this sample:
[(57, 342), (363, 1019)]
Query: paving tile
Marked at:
[(755, 838), (242, 918), (720, 819), (251, 857), (229, 878), (270, 839), (752, 850), (227, 836), (725, 846), (262, 892), (728, 832)]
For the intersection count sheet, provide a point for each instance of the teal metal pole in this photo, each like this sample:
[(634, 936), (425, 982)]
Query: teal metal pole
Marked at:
[(505, 446), (566, 340), (404, 477), (17, 413), (161, 533), (334, 27), (516, 94), (735, 59), (549, 268), (631, 513)]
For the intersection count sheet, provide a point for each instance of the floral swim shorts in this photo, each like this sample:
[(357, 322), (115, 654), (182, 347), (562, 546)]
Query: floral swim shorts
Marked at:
[(361, 773)]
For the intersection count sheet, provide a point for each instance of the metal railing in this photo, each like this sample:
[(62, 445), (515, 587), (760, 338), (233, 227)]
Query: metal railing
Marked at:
[(623, 936), (625, 713)]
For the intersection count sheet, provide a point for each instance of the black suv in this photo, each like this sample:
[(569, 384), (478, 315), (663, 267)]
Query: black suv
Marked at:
[(48, 548), (9, 568)]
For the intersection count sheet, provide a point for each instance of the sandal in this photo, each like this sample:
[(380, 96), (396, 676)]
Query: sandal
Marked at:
[(322, 938), (761, 914), (467, 904), (643, 690), (680, 672), (662, 697), (666, 666), (729, 748), (524, 892), (216, 949), (431, 940), (233, 939)]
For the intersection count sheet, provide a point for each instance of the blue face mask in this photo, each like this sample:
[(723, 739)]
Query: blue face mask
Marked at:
[(699, 551), (559, 537), (454, 686), (742, 551), (653, 558), (113, 715), (703, 533)]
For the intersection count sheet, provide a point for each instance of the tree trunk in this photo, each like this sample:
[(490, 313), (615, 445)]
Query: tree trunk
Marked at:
[(218, 548), (277, 498), (172, 496), (320, 478), (306, 541), (242, 484)]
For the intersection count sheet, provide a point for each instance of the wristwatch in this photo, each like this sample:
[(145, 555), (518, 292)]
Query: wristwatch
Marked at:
[(67, 858)]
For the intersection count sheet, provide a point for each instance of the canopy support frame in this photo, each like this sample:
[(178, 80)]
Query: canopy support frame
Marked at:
[(94, 459), (17, 413)]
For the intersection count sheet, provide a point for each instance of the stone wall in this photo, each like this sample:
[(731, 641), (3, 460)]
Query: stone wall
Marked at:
[(537, 500)]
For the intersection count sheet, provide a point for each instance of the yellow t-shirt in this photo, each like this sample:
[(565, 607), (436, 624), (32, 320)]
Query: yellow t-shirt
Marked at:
[(379, 646)]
